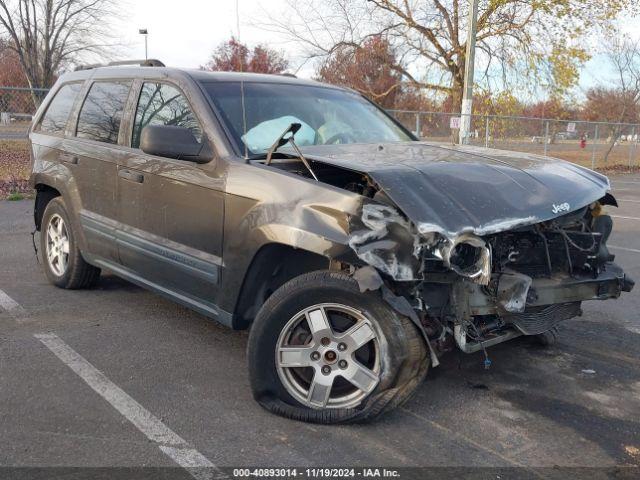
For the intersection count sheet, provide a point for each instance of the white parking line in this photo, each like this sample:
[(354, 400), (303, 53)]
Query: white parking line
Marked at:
[(625, 249), (628, 200), (168, 441), (627, 218), (10, 305)]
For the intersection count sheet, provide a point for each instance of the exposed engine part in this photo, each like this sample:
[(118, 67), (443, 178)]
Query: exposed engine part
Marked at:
[(572, 245), (603, 224)]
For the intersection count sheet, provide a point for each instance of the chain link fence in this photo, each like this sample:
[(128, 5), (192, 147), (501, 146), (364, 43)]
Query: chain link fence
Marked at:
[(592, 144), (17, 106)]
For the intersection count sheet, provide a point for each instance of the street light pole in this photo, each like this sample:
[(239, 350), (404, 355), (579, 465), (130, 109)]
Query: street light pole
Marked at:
[(144, 31), (467, 97)]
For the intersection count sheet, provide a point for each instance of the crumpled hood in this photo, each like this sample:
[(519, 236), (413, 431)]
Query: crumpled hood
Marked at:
[(452, 190)]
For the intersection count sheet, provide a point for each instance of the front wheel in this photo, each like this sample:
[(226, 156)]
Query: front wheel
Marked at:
[(321, 351)]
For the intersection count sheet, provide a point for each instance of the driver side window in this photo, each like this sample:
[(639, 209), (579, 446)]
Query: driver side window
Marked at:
[(163, 104)]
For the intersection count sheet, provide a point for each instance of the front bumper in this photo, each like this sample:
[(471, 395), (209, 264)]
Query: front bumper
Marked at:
[(557, 289)]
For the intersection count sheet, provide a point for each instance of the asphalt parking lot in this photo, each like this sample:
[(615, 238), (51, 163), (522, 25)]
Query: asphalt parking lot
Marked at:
[(104, 377)]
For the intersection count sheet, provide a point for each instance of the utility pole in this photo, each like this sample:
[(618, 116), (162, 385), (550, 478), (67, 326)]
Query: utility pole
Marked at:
[(238, 19), (238, 28), (467, 97), (145, 32)]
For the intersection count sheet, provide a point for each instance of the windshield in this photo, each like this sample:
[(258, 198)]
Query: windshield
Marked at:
[(327, 115)]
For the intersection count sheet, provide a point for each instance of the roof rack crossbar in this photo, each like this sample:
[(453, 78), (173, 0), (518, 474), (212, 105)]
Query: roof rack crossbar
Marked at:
[(151, 62)]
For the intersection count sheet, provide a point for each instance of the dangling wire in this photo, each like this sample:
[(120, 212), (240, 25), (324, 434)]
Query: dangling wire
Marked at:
[(35, 247), (480, 337)]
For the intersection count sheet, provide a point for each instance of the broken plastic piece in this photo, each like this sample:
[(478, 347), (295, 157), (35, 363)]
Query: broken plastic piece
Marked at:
[(513, 288)]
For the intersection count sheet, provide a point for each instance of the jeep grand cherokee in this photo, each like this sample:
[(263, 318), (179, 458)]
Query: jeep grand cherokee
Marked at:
[(356, 253)]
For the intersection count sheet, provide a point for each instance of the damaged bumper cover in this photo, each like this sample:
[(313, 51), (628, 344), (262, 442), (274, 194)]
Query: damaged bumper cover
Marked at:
[(527, 292)]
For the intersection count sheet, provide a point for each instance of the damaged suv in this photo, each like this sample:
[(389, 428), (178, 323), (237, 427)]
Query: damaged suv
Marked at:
[(356, 253)]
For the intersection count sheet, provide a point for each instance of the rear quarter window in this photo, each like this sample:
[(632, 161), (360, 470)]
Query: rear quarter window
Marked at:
[(101, 111), (56, 116)]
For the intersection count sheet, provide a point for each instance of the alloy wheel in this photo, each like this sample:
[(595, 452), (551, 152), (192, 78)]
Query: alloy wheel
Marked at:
[(328, 356), (57, 250)]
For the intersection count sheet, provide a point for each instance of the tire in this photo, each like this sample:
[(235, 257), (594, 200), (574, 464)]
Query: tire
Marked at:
[(548, 338), (64, 267), (388, 368)]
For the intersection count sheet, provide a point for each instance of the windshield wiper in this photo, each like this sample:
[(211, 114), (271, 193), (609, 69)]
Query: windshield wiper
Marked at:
[(281, 141)]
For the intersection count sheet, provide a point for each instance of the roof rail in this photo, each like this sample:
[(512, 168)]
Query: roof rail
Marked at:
[(151, 62)]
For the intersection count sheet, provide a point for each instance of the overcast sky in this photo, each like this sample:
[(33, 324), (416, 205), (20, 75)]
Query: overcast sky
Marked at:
[(183, 33)]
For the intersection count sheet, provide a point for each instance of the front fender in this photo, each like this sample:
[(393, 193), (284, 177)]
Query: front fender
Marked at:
[(321, 228)]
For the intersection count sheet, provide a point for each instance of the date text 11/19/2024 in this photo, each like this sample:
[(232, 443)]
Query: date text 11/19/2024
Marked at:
[(316, 473)]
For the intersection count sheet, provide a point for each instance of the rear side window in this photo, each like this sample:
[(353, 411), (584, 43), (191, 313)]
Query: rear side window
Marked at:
[(101, 112), (57, 115), (162, 104)]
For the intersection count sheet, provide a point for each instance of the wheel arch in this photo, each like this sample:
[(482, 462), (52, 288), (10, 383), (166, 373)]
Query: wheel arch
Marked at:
[(47, 188), (44, 194), (272, 266)]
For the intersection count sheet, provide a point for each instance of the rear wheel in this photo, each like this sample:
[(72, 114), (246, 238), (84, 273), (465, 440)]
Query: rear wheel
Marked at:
[(63, 262), (322, 351)]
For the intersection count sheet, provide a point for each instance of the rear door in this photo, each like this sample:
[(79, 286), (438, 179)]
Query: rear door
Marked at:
[(96, 151), (49, 135), (171, 210)]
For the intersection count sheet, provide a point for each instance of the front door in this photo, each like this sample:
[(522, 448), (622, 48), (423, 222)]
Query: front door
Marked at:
[(171, 211)]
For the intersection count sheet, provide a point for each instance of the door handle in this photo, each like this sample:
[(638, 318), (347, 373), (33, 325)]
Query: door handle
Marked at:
[(68, 158), (131, 175)]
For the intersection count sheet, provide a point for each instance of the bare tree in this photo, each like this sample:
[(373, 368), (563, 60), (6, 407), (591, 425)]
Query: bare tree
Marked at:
[(515, 38), (624, 56), (47, 35)]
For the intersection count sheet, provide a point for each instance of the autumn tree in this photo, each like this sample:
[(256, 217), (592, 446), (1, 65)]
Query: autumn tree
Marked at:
[(370, 69), (501, 106), (234, 56), (11, 74), (536, 43), (554, 107), (605, 104), (49, 35)]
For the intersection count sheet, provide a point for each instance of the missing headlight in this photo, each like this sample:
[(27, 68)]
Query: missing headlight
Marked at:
[(470, 257)]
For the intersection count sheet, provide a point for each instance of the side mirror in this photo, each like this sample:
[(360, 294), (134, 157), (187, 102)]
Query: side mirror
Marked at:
[(174, 142)]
